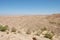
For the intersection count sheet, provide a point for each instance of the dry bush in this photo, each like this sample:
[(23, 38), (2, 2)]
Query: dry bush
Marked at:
[(13, 29), (7, 32), (19, 32), (34, 38), (38, 33), (44, 29), (28, 32)]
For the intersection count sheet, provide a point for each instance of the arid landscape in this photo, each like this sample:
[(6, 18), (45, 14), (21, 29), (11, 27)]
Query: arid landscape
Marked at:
[(29, 19), (34, 27)]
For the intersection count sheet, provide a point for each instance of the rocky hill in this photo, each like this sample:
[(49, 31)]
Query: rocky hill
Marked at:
[(30, 25)]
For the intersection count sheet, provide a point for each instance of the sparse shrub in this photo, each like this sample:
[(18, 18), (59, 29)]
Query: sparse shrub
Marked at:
[(3, 28), (6, 26), (49, 35), (19, 32), (52, 22), (34, 38), (14, 32), (13, 29), (2, 35), (7, 32), (38, 33), (43, 29), (28, 32)]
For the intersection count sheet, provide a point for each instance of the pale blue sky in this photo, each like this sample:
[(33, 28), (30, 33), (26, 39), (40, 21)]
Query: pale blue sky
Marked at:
[(29, 7)]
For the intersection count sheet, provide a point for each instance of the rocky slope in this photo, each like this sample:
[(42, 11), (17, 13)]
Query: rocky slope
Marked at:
[(28, 26)]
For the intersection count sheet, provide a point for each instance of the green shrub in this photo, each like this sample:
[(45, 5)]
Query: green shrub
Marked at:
[(49, 35), (3, 28)]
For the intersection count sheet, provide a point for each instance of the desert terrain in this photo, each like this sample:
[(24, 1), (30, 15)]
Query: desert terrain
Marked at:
[(34, 27)]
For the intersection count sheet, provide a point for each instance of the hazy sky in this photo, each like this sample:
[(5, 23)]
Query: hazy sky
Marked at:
[(29, 7)]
